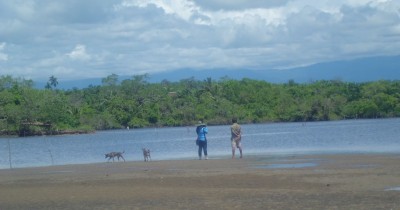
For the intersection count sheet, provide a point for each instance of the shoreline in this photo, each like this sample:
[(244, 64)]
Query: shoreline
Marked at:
[(351, 181), (15, 134), (216, 157)]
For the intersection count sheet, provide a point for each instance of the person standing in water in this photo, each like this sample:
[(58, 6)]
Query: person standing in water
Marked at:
[(236, 138), (201, 131)]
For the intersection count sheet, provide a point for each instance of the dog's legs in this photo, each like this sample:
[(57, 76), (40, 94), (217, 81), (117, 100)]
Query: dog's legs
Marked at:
[(120, 156)]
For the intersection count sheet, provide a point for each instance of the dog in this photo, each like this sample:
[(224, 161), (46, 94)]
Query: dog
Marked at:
[(146, 154), (112, 155)]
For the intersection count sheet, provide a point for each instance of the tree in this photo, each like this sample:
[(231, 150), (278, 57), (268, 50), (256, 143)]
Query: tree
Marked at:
[(52, 83), (137, 103)]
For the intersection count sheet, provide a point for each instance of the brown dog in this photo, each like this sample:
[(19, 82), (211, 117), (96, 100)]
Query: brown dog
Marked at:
[(146, 154), (112, 155)]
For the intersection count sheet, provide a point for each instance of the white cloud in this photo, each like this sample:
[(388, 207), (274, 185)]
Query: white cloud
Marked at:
[(182, 8), (136, 36), (239, 4), (3, 56), (79, 53)]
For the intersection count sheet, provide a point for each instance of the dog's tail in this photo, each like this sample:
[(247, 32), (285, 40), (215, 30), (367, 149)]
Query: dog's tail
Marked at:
[(123, 152)]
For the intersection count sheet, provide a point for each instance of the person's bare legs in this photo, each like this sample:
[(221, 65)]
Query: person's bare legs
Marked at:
[(233, 152), (240, 150)]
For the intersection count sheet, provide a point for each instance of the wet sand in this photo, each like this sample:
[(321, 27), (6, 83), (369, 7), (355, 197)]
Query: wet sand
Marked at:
[(257, 182)]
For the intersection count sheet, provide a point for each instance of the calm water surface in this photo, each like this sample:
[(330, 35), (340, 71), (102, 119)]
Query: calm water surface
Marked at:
[(350, 136)]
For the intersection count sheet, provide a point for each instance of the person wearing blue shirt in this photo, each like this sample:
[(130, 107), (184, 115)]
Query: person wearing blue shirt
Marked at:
[(201, 131)]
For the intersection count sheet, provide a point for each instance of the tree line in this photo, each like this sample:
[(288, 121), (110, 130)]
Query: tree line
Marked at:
[(135, 102)]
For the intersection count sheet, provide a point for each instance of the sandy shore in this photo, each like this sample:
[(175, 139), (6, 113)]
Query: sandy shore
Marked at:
[(259, 182)]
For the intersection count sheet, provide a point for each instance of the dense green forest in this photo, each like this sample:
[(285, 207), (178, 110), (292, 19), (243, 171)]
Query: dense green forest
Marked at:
[(135, 102)]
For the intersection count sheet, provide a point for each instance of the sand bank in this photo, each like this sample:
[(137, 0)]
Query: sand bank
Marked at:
[(257, 182)]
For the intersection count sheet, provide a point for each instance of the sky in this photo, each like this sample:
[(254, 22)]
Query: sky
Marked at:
[(80, 39)]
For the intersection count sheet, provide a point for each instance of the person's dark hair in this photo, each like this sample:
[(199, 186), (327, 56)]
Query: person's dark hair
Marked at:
[(234, 120)]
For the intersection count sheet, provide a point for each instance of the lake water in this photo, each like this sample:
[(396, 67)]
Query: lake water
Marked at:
[(335, 137)]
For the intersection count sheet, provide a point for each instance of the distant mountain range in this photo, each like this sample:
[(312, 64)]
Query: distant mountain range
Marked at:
[(358, 70)]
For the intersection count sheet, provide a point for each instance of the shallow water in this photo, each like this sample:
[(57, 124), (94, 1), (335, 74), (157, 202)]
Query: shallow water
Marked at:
[(287, 165), (393, 189), (350, 136)]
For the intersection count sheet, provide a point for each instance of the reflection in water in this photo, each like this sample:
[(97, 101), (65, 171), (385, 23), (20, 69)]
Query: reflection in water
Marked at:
[(393, 189), (292, 165)]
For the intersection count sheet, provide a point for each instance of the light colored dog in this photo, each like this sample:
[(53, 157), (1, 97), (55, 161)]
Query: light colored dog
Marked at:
[(146, 154), (112, 155)]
